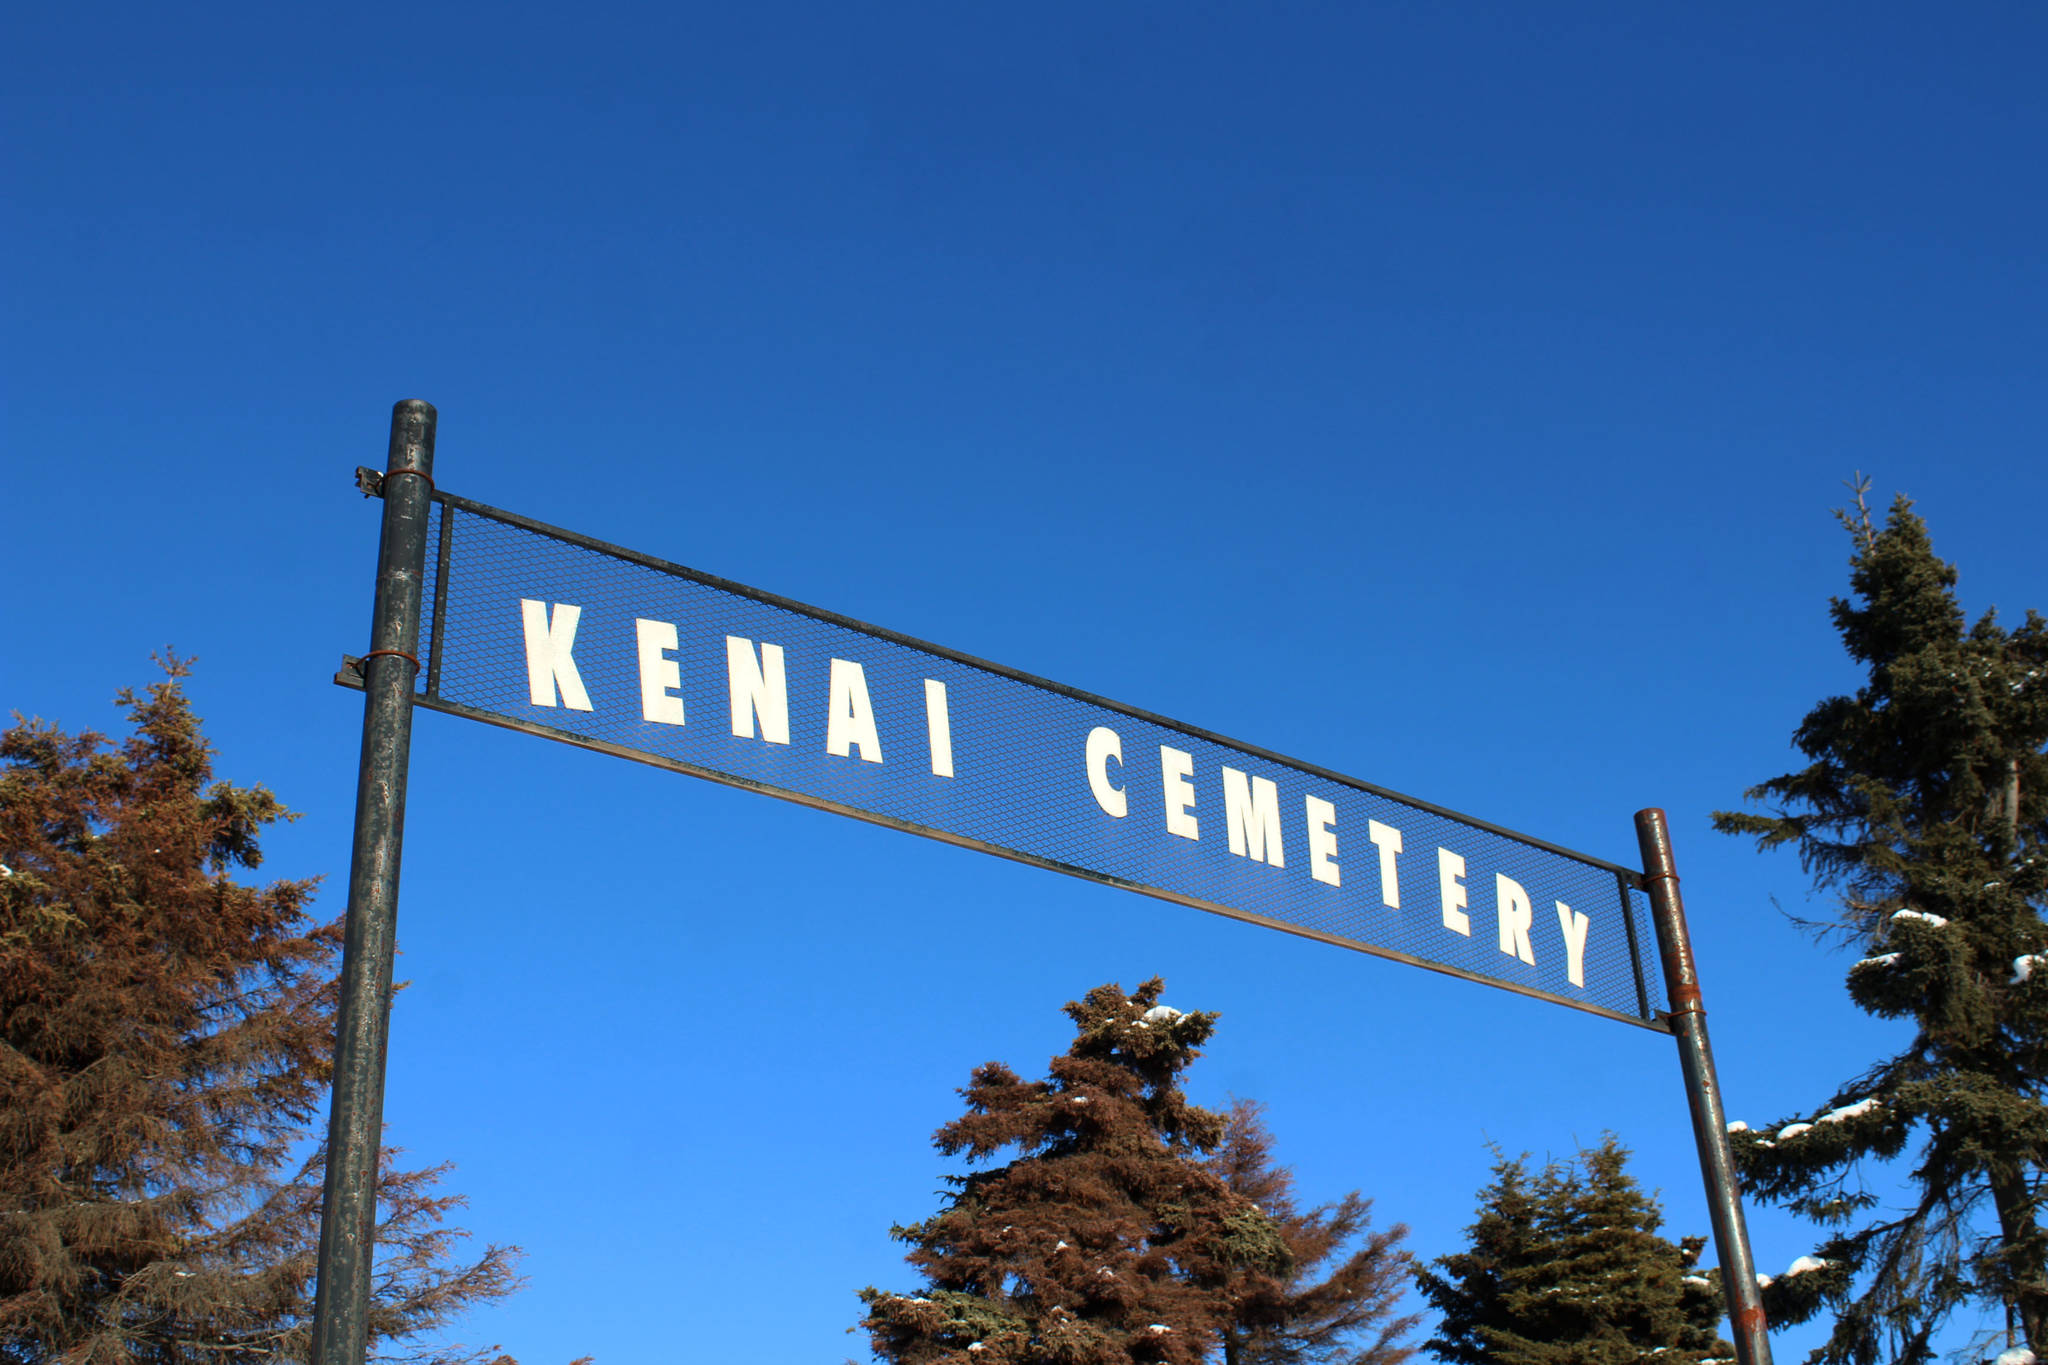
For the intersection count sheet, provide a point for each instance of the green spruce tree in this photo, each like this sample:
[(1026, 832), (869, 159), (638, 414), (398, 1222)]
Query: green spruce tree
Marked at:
[(1470, 1288), (1108, 1238), (165, 1035), (1924, 804), (1566, 1267)]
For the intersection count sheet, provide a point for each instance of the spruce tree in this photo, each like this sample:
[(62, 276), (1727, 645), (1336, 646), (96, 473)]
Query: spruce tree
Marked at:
[(1108, 1238), (1323, 1310), (1925, 806), (1565, 1267), (165, 1039)]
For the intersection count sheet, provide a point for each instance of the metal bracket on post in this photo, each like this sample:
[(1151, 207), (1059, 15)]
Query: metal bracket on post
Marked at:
[(348, 1210), (1688, 1018)]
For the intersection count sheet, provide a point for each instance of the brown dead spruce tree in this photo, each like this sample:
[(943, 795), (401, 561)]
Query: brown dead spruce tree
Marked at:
[(165, 1036), (1345, 1317), (1132, 1226)]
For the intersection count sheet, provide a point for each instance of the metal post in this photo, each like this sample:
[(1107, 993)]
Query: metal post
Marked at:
[(1703, 1092), (348, 1213)]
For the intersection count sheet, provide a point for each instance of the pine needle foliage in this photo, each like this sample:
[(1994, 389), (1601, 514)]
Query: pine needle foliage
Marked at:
[(1565, 1267), (1924, 805), (1110, 1237), (1347, 1316), (165, 1043)]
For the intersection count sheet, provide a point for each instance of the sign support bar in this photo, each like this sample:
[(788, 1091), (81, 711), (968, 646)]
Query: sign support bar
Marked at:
[(1703, 1092), (348, 1211)]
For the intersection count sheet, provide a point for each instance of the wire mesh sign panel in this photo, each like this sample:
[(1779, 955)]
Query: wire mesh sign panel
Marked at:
[(542, 630)]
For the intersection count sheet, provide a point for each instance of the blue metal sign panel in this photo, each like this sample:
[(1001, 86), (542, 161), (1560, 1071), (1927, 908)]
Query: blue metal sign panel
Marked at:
[(546, 631)]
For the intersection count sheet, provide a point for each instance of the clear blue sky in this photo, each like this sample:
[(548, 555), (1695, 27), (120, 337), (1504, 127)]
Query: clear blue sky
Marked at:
[(1451, 394)]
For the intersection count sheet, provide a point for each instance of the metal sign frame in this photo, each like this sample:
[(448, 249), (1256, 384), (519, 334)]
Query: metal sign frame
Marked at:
[(395, 683), (1009, 787)]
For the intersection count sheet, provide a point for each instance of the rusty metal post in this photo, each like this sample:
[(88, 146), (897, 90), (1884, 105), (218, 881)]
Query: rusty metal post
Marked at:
[(348, 1211), (1703, 1092)]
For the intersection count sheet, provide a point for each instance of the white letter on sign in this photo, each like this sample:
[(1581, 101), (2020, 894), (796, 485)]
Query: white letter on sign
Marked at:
[(758, 687), (849, 716), (548, 661), (1175, 768), (1574, 925), (1511, 908), (658, 673), (1253, 816), (1388, 840), (940, 726), (1450, 867), (1103, 745), (1322, 842)]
